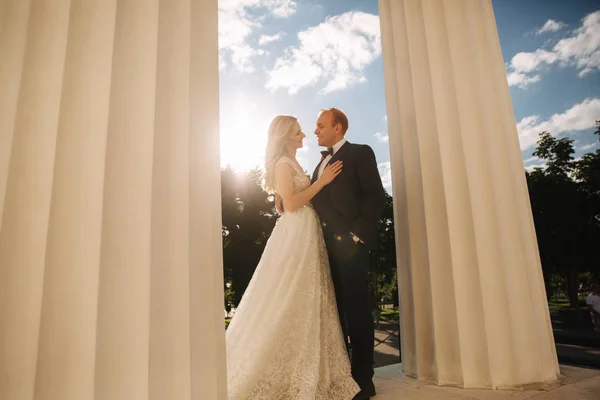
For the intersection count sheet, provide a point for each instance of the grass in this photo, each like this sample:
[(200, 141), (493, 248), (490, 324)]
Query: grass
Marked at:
[(562, 303), (389, 314), (557, 304)]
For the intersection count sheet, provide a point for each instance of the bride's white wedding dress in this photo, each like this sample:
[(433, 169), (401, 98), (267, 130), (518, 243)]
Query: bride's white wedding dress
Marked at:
[(285, 341)]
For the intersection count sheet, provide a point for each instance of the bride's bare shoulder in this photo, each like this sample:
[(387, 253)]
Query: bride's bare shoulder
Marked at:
[(289, 164)]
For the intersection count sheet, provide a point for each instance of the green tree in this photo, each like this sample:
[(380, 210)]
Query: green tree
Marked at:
[(587, 173), (248, 219), (384, 280), (587, 168), (564, 213)]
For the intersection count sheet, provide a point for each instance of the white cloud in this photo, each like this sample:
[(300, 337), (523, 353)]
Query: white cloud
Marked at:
[(337, 50), (531, 159), (551, 26), (266, 39), (382, 137), (521, 80), (529, 62), (534, 162), (587, 146), (236, 25), (580, 50), (579, 117), (385, 117), (531, 167), (385, 171), (280, 8), (304, 149)]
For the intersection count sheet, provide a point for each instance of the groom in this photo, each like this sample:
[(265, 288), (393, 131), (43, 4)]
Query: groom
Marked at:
[(349, 209)]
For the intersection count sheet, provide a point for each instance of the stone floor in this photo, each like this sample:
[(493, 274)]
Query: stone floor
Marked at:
[(573, 347), (576, 384)]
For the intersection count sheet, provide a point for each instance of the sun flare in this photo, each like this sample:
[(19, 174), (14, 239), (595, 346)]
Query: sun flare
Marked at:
[(243, 138)]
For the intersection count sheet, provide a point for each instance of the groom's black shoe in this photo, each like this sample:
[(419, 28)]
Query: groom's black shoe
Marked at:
[(365, 394)]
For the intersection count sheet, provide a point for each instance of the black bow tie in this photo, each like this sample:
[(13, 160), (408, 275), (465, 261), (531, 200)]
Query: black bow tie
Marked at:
[(328, 152)]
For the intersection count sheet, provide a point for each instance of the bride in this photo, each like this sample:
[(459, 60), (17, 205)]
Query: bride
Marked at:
[(285, 341)]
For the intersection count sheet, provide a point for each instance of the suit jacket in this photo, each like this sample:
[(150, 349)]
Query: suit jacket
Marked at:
[(354, 201)]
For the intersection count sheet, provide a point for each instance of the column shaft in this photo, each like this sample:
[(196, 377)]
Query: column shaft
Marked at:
[(473, 304), (110, 213)]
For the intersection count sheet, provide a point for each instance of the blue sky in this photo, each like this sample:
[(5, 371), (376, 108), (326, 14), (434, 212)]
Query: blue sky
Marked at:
[(297, 57)]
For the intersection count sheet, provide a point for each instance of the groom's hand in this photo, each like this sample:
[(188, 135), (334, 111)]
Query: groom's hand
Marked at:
[(279, 204)]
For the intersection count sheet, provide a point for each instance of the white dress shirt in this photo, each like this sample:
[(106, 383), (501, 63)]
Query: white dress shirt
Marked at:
[(336, 147)]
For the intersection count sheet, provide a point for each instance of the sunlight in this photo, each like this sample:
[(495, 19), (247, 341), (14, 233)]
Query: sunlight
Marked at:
[(243, 136)]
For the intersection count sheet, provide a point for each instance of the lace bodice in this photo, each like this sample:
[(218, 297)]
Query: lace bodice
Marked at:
[(301, 181)]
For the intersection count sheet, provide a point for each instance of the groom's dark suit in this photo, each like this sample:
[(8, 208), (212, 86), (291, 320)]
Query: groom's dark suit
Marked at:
[(353, 204)]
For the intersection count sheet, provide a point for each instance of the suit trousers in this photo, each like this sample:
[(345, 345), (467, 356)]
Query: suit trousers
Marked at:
[(349, 263)]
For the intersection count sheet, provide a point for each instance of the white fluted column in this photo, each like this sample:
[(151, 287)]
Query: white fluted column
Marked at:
[(110, 223), (473, 304)]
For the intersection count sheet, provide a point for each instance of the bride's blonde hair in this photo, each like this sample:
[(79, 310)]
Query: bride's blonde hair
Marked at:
[(280, 129)]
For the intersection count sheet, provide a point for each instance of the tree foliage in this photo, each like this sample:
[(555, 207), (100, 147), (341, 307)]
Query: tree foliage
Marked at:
[(248, 219), (384, 281), (565, 202)]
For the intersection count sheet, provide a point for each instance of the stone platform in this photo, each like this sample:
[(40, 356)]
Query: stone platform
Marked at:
[(576, 384)]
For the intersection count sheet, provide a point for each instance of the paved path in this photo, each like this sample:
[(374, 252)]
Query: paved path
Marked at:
[(574, 347), (387, 344)]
